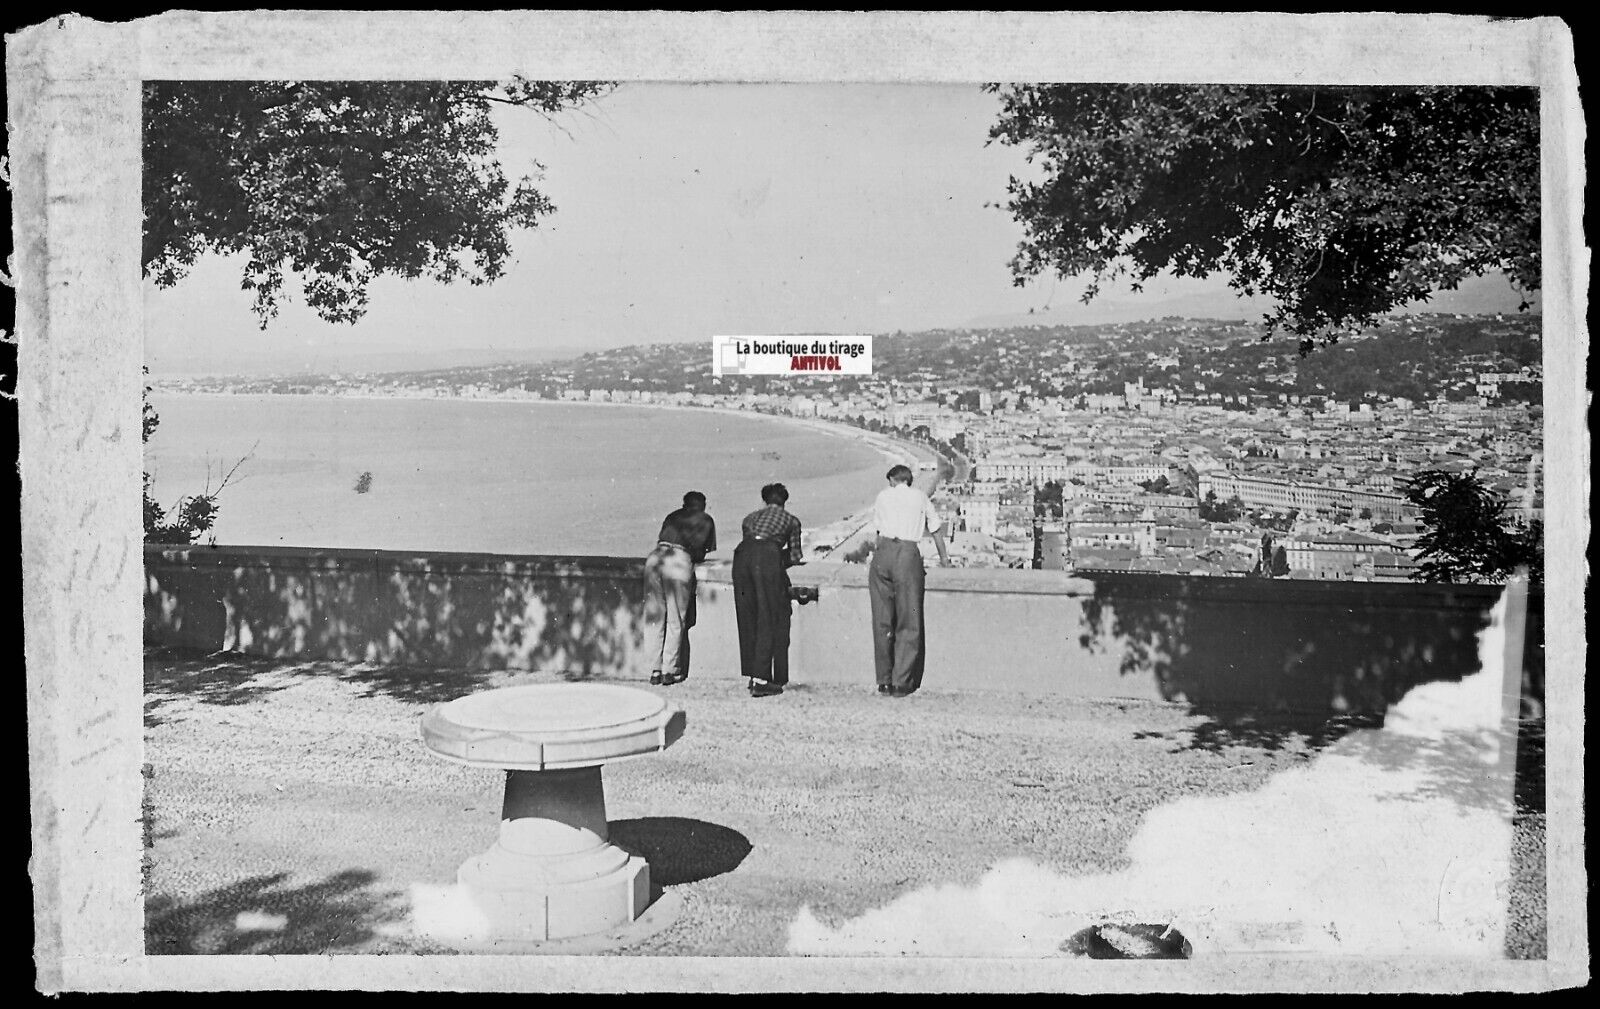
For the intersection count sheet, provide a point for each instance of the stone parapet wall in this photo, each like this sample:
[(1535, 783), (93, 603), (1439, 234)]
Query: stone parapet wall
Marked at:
[(583, 615), (1282, 646)]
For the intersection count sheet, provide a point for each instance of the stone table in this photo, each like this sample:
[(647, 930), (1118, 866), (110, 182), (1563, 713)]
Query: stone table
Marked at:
[(553, 873)]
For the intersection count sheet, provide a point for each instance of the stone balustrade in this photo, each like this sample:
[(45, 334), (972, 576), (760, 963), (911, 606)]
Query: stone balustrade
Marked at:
[(1281, 646)]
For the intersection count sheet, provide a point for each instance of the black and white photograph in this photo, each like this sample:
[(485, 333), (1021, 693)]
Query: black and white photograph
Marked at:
[(808, 501)]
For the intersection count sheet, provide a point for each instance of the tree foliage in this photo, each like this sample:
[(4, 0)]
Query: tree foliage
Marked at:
[(1263, 566), (194, 514), (1212, 510), (1340, 204), (335, 183), (1050, 498), (1468, 537), (1274, 559)]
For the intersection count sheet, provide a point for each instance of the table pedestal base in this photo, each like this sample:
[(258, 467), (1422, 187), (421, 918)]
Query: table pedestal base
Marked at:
[(533, 913), (553, 882), (553, 874)]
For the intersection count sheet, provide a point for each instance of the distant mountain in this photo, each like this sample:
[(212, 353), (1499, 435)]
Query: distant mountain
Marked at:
[(1218, 305), (1476, 296), (280, 360)]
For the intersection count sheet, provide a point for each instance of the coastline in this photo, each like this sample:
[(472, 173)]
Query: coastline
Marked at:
[(837, 536), (851, 532)]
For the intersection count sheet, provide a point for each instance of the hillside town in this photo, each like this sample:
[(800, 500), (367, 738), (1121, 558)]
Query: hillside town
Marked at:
[(1171, 446)]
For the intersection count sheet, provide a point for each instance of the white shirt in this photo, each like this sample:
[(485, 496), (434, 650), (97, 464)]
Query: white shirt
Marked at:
[(902, 512)]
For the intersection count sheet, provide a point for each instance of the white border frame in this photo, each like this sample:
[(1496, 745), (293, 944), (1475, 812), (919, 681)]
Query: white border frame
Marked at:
[(74, 109)]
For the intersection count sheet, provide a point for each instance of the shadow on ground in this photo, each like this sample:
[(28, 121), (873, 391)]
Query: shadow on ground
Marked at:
[(1527, 932), (232, 678), (220, 678), (1530, 766), (1270, 663), (1264, 731), (679, 849), (1448, 766), (262, 915)]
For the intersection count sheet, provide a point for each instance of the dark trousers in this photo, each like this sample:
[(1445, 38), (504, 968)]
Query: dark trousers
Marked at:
[(895, 586), (761, 606)]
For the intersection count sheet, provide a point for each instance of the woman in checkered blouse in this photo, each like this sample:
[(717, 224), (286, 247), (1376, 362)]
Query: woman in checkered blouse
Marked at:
[(771, 545)]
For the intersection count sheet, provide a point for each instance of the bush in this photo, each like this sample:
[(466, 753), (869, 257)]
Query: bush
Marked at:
[(1468, 537), (193, 515)]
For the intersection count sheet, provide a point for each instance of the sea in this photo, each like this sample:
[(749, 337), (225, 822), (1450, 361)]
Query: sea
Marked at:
[(513, 477)]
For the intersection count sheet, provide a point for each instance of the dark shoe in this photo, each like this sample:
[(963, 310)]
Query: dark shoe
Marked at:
[(762, 689), (672, 678), (884, 688), (901, 691), (656, 679)]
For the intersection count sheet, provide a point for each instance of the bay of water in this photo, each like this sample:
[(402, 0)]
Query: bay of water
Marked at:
[(500, 477)]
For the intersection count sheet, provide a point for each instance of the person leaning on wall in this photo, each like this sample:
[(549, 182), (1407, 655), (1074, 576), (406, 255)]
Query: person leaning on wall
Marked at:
[(686, 536), (895, 582), (761, 596)]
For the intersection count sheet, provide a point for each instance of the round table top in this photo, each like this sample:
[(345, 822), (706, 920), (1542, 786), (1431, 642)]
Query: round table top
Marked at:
[(551, 726), (555, 707)]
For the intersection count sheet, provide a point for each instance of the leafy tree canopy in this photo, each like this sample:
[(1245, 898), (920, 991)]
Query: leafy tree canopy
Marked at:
[(1212, 510), (1050, 498), (1468, 537), (1339, 204), (337, 182)]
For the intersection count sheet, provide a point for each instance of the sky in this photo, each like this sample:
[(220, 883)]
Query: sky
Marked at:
[(685, 211)]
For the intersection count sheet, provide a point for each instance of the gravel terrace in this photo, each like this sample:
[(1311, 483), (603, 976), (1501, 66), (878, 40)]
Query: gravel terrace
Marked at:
[(291, 807)]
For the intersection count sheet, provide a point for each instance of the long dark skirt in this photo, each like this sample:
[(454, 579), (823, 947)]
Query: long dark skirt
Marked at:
[(761, 604)]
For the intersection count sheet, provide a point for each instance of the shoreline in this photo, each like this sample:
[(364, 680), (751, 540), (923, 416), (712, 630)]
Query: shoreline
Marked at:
[(839, 535)]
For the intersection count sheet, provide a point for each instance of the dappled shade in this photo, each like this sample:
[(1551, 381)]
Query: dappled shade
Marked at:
[(230, 678), (582, 616), (1448, 766), (262, 914), (1264, 659)]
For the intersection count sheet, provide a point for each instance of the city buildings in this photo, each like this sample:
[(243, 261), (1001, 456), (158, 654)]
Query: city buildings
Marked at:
[(1168, 445)]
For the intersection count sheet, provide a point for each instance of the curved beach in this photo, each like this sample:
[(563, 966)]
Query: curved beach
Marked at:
[(501, 475), (831, 539)]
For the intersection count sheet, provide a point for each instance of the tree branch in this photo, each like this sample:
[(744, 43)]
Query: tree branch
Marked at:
[(229, 475)]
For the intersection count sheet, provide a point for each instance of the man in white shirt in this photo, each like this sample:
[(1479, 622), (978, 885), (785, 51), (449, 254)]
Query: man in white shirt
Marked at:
[(902, 515)]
